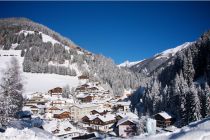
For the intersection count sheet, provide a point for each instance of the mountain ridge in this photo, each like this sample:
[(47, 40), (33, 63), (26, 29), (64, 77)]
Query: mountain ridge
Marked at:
[(45, 51)]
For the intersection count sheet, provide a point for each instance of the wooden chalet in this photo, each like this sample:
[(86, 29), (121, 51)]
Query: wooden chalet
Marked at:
[(126, 128), (85, 85), (98, 122), (93, 88), (163, 119), (98, 111), (62, 115), (53, 109), (56, 91), (85, 99), (81, 89), (58, 102), (83, 77)]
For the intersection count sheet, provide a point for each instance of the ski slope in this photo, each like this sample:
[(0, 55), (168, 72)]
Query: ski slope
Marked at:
[(36, 82)]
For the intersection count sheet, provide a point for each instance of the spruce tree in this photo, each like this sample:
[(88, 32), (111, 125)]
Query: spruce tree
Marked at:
[(11, 91)]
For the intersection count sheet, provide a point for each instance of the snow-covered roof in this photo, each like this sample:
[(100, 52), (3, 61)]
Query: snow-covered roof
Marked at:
[(60, 111), (86, 105), (165, 115), (127, 114), (107, 117), (53, 108), (82, 95), (92, 117), (124, 120), (100, 110), (60, 125), (104, 118), (26, 108), (123, 103)]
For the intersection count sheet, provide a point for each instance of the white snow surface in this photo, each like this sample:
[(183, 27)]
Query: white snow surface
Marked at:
[(26, 134), (199, 130), (36, 82), (14, 46), (129, 64), (173, 51), (165, 115)]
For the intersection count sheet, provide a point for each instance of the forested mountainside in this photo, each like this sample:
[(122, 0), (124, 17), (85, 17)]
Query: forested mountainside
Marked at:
[(179, 82), (46, 51)]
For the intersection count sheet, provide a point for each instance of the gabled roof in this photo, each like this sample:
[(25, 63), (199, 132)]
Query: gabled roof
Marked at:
[(165, 115), (99, 110), (106, 118), (82, 95), (60, 125), (123, 103), (53, 108), (127, 114), (61, 111), (87, 105), (125, 120)]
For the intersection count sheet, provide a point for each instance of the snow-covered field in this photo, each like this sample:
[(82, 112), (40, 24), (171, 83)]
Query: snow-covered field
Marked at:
[(37, 82), (199, 130)]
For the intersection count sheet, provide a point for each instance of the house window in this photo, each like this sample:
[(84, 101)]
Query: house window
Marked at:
[(55, 131), (68, 129)]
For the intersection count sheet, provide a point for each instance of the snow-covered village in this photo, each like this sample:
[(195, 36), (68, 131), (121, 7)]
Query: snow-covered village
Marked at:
[(122, 78)]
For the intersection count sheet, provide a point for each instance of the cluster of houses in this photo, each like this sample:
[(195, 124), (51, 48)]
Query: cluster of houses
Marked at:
[(93, 109)]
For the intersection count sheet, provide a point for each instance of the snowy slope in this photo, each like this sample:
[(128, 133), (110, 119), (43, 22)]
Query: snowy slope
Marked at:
[(45, 38), (152, 64), (36, 82), (129, 64), (173, 51), (199, 130)]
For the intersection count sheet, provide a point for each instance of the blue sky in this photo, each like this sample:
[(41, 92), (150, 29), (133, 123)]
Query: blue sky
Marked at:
[(120, 30)]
